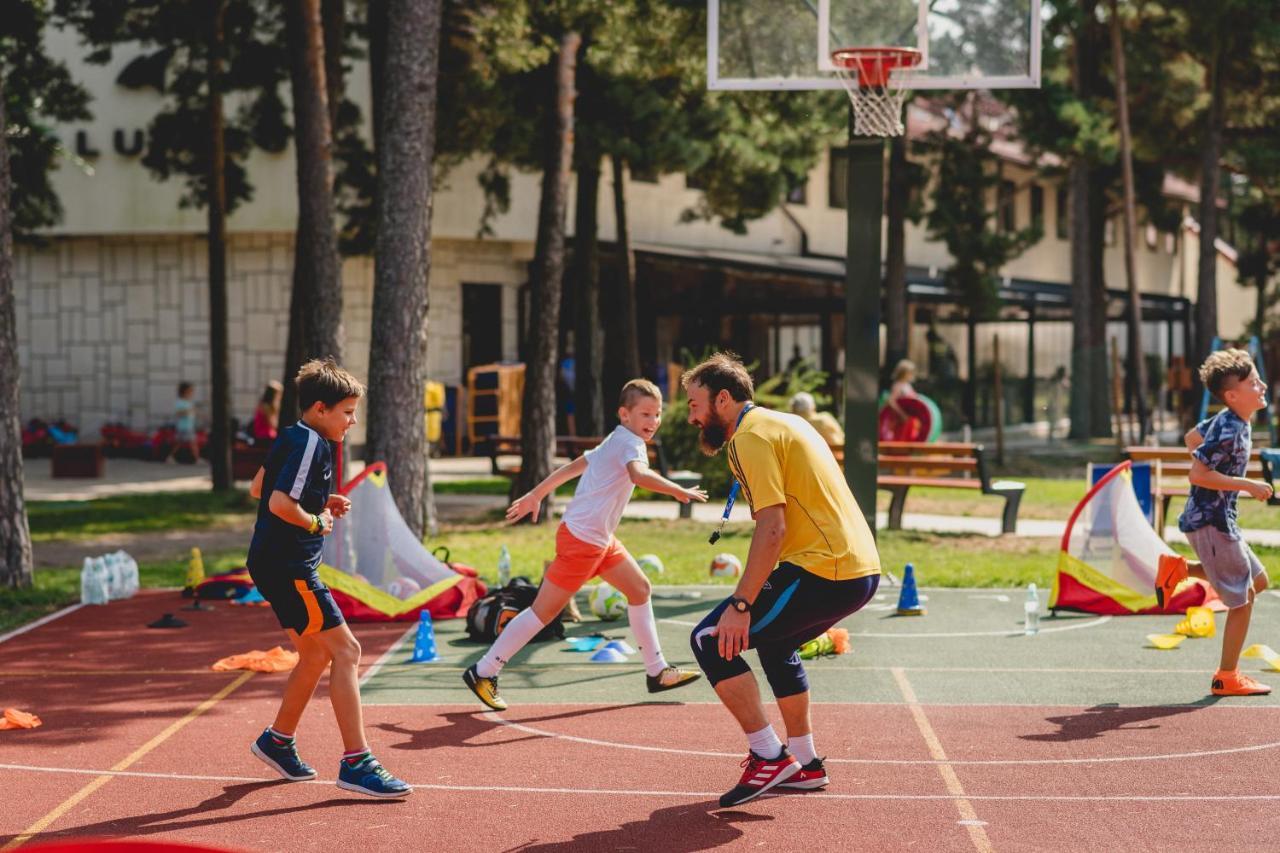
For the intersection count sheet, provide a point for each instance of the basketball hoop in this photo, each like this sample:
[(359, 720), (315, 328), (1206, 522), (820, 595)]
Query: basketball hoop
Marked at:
[(876, 79)]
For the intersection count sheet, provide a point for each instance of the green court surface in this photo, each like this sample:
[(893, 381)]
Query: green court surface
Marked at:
[(968, 649)]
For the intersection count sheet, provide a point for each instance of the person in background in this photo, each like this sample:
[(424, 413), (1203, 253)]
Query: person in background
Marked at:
[(903, 375), (266, 418), (828, 427), (184, 423)]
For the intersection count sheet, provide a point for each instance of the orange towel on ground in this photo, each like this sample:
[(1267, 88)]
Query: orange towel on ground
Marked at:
[(15, 719), (276, 660)]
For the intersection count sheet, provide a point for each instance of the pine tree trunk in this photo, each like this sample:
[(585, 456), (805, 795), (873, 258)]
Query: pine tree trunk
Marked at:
[(1101, 424), (15, 537), (622, 342), (588, 339), (1137, 367), (538, 413), (219, 448), (333, 24), (897, 335), (398, 347), (1210, 178), (316, 300)]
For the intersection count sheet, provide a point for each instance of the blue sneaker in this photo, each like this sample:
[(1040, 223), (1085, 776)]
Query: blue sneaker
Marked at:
[(370, 777), (282, 757)]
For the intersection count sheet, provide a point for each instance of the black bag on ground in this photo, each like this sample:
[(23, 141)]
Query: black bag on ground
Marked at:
[(489, 615)]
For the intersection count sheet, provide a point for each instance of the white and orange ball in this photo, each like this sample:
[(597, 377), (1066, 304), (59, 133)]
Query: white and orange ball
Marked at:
[(725, 565)]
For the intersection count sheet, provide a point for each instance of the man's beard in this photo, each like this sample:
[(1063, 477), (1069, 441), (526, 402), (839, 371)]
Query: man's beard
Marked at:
[(712, 436)]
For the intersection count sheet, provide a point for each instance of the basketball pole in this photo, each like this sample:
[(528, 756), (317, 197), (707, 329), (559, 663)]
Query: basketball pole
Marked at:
[(862, 284)]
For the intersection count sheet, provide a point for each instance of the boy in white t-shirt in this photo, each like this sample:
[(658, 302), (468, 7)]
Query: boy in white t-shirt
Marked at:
[(586, 547)]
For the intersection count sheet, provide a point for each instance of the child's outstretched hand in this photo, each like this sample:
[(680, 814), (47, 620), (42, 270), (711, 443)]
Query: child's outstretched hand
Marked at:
[(338, 505), (526, 504), (697, 493)]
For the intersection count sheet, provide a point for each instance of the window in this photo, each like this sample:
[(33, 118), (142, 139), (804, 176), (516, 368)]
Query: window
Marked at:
[(1062, 213), (798, 194), (1037, 206), (644, 175), (1006, 202), (838, 179)]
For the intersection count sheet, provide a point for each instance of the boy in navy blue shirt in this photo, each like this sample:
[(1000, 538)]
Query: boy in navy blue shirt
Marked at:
[(283, 561), (1220, 450)]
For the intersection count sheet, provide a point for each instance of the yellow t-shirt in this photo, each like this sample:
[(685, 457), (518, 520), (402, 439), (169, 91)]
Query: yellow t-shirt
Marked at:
[(781, 459)]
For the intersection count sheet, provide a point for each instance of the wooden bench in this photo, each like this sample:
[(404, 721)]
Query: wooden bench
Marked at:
[(942, 465), (246, 459), (570, 447), (1170, 467), (76, 460)]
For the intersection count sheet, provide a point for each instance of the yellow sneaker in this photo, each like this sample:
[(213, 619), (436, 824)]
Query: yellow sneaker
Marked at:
[(486, 689), (670, 678)]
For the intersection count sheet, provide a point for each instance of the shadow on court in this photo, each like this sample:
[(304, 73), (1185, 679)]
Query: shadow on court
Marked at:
[(1099, 720), (676, 829), (461, 727)]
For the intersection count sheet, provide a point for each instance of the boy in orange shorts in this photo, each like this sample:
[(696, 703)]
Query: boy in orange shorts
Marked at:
[(586, 546)]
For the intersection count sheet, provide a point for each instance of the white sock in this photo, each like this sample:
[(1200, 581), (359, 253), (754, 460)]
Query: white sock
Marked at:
[(514, 637), (765, 743), (802, 748), (645, 629)]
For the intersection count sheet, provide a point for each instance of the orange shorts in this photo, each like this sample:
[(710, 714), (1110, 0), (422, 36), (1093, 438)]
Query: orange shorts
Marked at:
[(577, 562)]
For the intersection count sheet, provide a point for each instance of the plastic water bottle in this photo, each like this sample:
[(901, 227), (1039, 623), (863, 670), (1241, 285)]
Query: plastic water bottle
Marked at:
[(1031, 622), (504, 566), (128, 574), (93, 583)]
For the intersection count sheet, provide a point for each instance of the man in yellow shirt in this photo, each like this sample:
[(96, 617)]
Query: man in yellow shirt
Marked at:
[(812, 562)]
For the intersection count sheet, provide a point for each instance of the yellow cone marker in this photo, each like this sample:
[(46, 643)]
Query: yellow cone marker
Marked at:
[(1200, 622), (1268, 654), (1165, 642)]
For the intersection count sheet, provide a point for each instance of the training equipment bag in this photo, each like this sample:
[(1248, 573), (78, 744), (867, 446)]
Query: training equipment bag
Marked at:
[(489, 615)]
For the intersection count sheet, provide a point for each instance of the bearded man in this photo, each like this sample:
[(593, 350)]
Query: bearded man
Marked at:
[(812, 562)]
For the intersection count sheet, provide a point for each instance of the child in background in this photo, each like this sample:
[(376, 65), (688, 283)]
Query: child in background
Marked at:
[(586, 546), (184, 423), (1220, 448), (904, 373), (266, 418)]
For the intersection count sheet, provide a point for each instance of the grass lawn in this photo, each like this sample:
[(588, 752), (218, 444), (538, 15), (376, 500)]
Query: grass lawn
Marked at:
[(135, 513)]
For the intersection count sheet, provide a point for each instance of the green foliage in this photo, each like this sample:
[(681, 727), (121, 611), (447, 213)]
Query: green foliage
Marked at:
[(38, 91), (962, 216), (135, 513)]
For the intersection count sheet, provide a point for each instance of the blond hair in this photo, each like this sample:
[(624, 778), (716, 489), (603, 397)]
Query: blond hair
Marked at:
[(635, 389), (904, 368), (1223, 366), (321, 380)]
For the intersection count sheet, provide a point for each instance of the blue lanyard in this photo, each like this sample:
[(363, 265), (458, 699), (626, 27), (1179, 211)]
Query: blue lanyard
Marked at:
[(733, 489)]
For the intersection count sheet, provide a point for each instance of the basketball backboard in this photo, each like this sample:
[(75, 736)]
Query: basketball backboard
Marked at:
[(787, 44)]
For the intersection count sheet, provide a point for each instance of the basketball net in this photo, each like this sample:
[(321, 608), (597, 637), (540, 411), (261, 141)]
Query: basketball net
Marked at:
[(877, 79)]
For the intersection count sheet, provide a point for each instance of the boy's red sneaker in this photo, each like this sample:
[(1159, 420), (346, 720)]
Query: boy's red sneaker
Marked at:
[(760, 775), (1237, 684), (1171, 570), (812, 775)]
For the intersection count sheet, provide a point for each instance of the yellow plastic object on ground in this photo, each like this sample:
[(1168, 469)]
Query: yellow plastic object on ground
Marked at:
[(195, 569), (833, 641), (1268, 654), (276, 660), (1165, 642), (433, 402), (1200, 622), (15, 719)]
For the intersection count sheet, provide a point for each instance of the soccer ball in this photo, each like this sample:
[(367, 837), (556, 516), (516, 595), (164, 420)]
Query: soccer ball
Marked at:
[(725, 566), (607, 603), (651, 564), (403, 588)]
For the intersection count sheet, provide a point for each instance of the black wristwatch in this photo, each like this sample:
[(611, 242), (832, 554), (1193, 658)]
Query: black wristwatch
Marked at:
[(740, 604)]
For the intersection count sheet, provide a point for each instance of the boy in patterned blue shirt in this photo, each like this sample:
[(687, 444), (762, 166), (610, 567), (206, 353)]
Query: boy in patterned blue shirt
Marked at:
[(1220, 448), (296, 512)]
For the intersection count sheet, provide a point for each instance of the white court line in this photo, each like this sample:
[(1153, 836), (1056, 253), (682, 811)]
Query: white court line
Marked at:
[(699, 795), (895, 636), (1110, 759), (43, 620), (386, 656)]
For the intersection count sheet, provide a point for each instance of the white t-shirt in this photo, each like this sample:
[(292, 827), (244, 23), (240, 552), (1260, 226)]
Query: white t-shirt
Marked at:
[(605, 487)]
